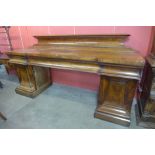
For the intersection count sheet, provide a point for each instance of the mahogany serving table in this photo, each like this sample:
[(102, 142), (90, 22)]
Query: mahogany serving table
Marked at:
[(119, 68)]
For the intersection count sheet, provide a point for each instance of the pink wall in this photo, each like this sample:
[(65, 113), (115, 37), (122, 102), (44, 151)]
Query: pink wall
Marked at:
[(139, 40)]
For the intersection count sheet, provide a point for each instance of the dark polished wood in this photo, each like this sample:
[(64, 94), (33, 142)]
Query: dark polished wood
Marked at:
[(33, 79), (115, 99), (119, 68)]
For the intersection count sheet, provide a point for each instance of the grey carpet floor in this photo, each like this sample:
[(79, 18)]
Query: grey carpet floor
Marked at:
[(58, 107)]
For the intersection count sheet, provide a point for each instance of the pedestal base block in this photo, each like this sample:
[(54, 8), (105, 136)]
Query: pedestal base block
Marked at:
[(112, 118)]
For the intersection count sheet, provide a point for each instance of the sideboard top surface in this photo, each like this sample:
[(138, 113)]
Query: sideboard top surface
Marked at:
[(93, 48)]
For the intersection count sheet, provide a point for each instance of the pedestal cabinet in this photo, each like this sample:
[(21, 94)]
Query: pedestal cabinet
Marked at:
[(33, 79)]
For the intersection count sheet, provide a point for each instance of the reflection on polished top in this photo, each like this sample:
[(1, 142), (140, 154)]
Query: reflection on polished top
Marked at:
[(100, 49)]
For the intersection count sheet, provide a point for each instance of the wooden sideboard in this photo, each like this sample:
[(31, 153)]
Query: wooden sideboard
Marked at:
[(120, 69)]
